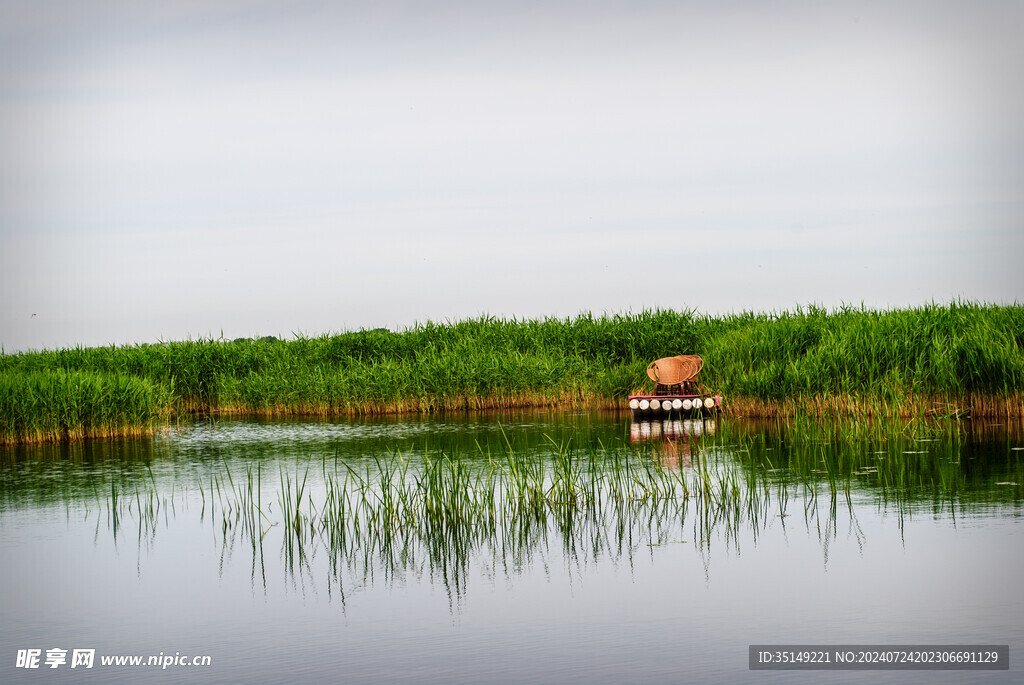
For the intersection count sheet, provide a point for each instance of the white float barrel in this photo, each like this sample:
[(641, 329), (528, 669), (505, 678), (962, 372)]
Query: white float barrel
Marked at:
[(634, 404), (656, 405), (687, 405), (645, 405), (697, 403), (709, 402), (677, 404)]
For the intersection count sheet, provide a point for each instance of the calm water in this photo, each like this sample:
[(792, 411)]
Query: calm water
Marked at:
[(817, 535)]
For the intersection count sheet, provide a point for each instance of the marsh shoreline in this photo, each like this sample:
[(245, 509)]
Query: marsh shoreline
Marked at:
[(959, 360)]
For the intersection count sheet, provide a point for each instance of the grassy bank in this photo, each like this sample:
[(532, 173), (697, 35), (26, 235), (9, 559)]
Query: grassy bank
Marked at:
[(56, 404), (954, 359)]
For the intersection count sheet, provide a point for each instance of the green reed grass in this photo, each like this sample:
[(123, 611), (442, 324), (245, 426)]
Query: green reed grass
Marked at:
[(56, 404), (956, 359)]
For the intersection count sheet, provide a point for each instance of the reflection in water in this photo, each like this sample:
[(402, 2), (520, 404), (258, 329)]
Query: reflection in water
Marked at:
[(377, 516), (674, 429), (670, 439)]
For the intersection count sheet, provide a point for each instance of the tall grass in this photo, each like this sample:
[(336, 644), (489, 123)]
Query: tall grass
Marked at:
[(48, 405), (956, 359)]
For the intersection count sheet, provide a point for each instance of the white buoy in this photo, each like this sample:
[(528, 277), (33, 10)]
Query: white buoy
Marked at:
[(634, 404), (677, 404), (687, 405), (645, 405), (656, 405), (697, 404), (709, 402)]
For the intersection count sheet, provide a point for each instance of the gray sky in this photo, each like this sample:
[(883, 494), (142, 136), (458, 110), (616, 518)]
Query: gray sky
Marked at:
[(186, 168)]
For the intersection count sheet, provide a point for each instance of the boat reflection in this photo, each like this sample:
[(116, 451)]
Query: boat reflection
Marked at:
[(672, 440)]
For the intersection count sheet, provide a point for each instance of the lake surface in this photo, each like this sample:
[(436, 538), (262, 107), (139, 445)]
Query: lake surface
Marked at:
[(656, 552)]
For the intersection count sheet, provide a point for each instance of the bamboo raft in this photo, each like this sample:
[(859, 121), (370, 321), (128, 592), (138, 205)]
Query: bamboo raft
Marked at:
[(674, 406), (677, 393)]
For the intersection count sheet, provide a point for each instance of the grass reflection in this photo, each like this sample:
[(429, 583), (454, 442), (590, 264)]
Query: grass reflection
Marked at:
[(440, 513)]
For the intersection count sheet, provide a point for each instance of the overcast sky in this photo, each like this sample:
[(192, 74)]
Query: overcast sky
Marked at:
[(183, 169)]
